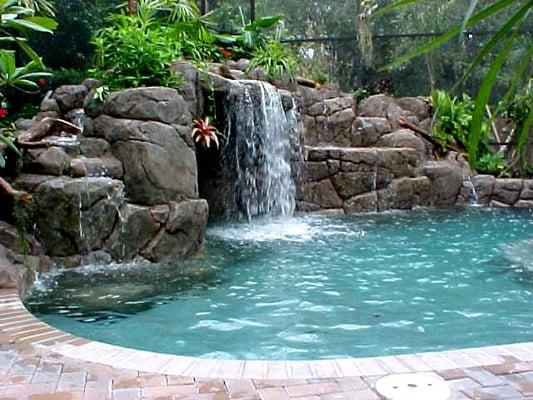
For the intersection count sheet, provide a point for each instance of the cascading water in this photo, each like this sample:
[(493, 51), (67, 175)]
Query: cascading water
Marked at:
[(259, 150)]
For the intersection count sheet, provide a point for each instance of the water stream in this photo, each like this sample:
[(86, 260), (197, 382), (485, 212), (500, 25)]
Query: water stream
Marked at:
[(259, 132)]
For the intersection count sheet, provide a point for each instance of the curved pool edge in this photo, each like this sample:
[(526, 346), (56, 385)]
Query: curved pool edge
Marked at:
[(24, 329)]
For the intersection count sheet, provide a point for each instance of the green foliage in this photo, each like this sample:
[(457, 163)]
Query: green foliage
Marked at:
[(321, 78), (519, 109), (8, 141), (453, 120), (70, 48), (505, 38), (130, 55), (275, 60), (66, 76), (43, 7), (137, 50), (492, 163), (21, 77)]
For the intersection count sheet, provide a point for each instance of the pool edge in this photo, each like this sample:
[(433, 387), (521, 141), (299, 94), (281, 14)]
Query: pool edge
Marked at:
[(23, 328)]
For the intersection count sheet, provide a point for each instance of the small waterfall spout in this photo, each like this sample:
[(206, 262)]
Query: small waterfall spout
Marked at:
[(259, 148), (471, 193)]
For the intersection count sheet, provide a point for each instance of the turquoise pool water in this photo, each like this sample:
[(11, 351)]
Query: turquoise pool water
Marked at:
[(315, 287)]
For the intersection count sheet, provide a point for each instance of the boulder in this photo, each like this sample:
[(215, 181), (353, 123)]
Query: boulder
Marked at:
[(366, 131), (94, 147), (446, 182), (135, 228), (382, 106), (84, 213), (92, 83), (183, 233), (363, 203), (350, 184), (527, 191), (416, 106), (11, 276), (70, 97), (322, 194), (189, 90), (403, 138), (11, 238), (50, 105), (483, 186), (159, 166), (155, 174), (527, 204), (398, 162), (51, 161), (105, 166), (150, 103), (507, 191)]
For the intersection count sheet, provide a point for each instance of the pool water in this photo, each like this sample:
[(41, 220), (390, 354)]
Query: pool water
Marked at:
[(314, 287)]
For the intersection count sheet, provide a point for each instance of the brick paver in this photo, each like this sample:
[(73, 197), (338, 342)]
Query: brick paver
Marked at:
[(30, 371)]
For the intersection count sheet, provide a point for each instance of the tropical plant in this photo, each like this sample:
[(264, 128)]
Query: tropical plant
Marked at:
[(275, 60), (137, 50), (16, 21), (452, 120), (505, 39), (8, 142), (21, 77), (242, 38), (130, 53), (43, 7), (492, 163), (205, 133)]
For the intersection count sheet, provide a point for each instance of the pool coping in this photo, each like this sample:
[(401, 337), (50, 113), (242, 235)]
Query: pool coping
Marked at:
[(25, 329)]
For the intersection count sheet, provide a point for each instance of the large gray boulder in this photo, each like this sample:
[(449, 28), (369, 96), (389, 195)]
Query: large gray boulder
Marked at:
[(51, 161), (367, 130), (150, 103), (183, 232), (446, 182), (75, 216), (403, 138), (382, 106), (417, 106), (69, 97), (507, 191), (159, 165)]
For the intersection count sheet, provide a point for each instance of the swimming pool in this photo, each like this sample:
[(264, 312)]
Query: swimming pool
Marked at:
[(314, 287)]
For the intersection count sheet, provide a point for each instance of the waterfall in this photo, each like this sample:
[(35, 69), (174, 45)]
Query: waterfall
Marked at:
[(259, 150), (471, 196)]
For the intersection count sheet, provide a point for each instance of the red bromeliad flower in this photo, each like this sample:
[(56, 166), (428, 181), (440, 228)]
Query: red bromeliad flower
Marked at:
[(3, 113), (204, 133), (227, 54)]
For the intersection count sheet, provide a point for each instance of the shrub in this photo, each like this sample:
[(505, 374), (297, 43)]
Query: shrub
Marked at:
[(275, 60), (130, 54)]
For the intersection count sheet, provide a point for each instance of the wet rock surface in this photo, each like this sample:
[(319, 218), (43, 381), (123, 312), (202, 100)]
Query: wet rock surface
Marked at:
[(126, 188)]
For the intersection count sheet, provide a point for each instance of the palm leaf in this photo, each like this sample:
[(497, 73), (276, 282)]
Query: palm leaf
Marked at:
[(482, 98), (498, 36), (447, 36)]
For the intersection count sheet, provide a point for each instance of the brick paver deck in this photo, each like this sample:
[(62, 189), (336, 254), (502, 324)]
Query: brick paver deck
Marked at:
[(38, 362)]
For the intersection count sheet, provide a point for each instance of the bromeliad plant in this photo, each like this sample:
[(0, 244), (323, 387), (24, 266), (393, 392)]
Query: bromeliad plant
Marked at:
[(205, 133)]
